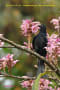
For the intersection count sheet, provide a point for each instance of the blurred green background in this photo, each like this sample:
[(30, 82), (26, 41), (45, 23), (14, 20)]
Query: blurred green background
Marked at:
[(10, 21)]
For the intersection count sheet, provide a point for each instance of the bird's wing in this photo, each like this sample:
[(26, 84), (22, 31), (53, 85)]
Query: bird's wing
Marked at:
[(39, 42)]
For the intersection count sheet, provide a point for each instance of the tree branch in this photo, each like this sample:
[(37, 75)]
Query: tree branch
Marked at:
[(17, 77), (59, 27), (27, 77), (7, 47), (18, 46)]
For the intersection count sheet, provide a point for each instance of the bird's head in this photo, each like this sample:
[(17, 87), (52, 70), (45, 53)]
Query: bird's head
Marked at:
[(42, 28)]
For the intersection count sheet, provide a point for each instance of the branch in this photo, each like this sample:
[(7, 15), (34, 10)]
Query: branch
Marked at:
[(28, 78), (18, 46), (2, 74), (59, 27), (7, 47), (17, 77)]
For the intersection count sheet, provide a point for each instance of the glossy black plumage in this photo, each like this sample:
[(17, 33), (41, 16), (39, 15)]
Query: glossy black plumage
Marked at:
[(39, 42)]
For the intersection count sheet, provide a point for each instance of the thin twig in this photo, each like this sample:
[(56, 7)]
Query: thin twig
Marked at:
[(27, 77), (18, 46), (17, 77), (59, 27), (7, 47)]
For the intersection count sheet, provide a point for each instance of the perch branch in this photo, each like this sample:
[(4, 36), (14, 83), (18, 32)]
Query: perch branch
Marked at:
[(18, 46)]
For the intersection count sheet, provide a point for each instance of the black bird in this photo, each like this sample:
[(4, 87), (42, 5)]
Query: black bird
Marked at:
[(39, 42)]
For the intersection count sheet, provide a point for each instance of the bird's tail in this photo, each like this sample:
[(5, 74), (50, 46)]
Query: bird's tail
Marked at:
[(41, 67)]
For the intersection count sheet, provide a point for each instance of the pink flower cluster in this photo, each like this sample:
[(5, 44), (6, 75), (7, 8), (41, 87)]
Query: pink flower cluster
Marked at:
[(7, 61), (27, 84), (55, 22), (26, 45), (43, 84), (1, 43), (28, 26), (53, 47)]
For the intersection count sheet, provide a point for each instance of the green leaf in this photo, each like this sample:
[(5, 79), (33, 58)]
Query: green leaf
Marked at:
[(51, 85), (36, 83)]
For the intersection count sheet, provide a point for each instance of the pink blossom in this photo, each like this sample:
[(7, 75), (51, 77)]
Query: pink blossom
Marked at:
[(58, 88), (7, 60), (56, 23), (56, 27), (58, 40), (27, 84), (35, 28), (9, 57), (14, 62), (28, 26), (43, 84), (1, 43), (53, 47)]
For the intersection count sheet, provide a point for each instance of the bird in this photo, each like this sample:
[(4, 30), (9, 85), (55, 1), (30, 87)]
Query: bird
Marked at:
[(39, 43)]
